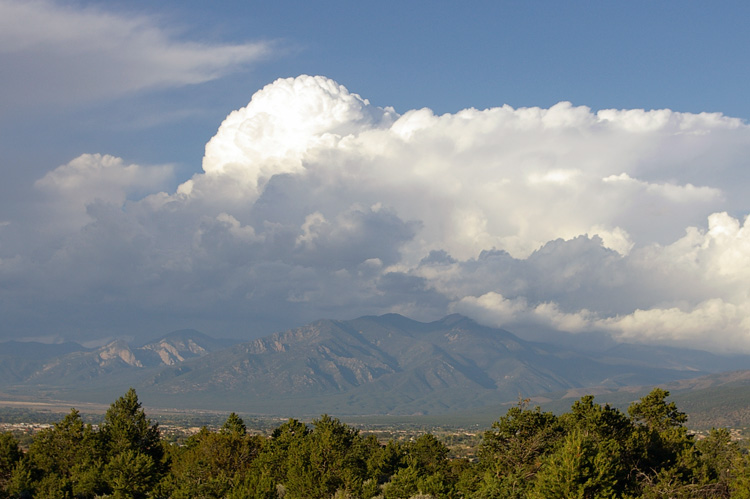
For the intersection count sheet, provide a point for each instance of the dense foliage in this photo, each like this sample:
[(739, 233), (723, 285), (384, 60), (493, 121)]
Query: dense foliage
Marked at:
[(593, 451)]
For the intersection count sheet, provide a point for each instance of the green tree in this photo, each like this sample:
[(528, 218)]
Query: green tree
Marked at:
[(610, 429), (234, 425), (467, 476), (63, 461), (664, 455), (212, 464), (655, 413), (10, 455), (327, 458), (255, 486), (384, 461), (269, 470), (720, 462), (404, 483), (330, 458), (131, 474), (289, 438), (739, 485), (429, 456), (132, 447), (579, 468), (126, 427), (599, 422), (511, 452)]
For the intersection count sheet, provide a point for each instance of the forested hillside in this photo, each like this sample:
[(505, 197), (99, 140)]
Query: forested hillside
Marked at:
[(591, 451)]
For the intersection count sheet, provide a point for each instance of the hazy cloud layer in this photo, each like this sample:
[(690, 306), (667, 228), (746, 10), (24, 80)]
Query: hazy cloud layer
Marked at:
[(53, 53), (314, 203)]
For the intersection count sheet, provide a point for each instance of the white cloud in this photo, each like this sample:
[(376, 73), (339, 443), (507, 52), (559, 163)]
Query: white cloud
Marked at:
[(502, 177), (712, 325), (493, 308), (315, 203), (281, 125), (698, 288), (96, 177), (55, 53), (686, 194)]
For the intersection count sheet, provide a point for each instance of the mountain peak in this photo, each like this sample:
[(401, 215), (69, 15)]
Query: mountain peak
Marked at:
[(454, 320), (372, 364)]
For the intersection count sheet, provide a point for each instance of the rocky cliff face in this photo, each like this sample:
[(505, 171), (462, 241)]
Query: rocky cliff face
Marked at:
[(117, 351), (171, 352), (117, 358)]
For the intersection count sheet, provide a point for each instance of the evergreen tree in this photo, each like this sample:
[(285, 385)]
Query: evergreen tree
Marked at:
[(655, 413), (63, 461), (610, 429), (384, 461), (234, 425), (739, 484), (429, 456), (132, 447), (274, 462), (10, 455), (403, 484), (511, 452), (212, 464), (126, 427), (720, 462), (329, 459), (580, 468), (131, 474), (592, 451), (600, 422), (665, 462)]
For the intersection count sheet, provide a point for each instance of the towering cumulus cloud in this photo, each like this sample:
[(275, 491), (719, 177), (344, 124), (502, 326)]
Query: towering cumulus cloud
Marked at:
[(283, 121), (315, 203)]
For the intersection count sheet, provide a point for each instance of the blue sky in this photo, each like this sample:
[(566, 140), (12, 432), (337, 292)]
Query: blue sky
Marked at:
[(108, 107), (686, 56)]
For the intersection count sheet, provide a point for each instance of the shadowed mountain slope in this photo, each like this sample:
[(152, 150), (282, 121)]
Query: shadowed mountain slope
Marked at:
[(390, 364), (371, 365)]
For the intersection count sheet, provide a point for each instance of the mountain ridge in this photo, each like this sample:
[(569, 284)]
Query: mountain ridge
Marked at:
[(387, 364), (397, 362)]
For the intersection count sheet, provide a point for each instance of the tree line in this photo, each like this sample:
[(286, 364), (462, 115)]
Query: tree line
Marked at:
[(592, 451)]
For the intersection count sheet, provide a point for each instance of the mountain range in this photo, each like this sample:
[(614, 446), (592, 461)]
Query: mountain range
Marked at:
[(371, 365)]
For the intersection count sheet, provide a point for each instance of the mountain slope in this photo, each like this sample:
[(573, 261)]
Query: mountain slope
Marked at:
[(178, 346), (371, 365), (20, 359), (116, 362), (390, 364)]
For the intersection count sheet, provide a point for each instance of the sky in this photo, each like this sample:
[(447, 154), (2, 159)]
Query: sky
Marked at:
[(244, 167)]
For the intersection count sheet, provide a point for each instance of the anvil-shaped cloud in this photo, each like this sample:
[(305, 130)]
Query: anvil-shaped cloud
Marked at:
[(315, 203)]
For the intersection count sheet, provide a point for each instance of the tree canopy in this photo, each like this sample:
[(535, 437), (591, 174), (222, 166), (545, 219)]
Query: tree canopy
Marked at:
[(592, 451)]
